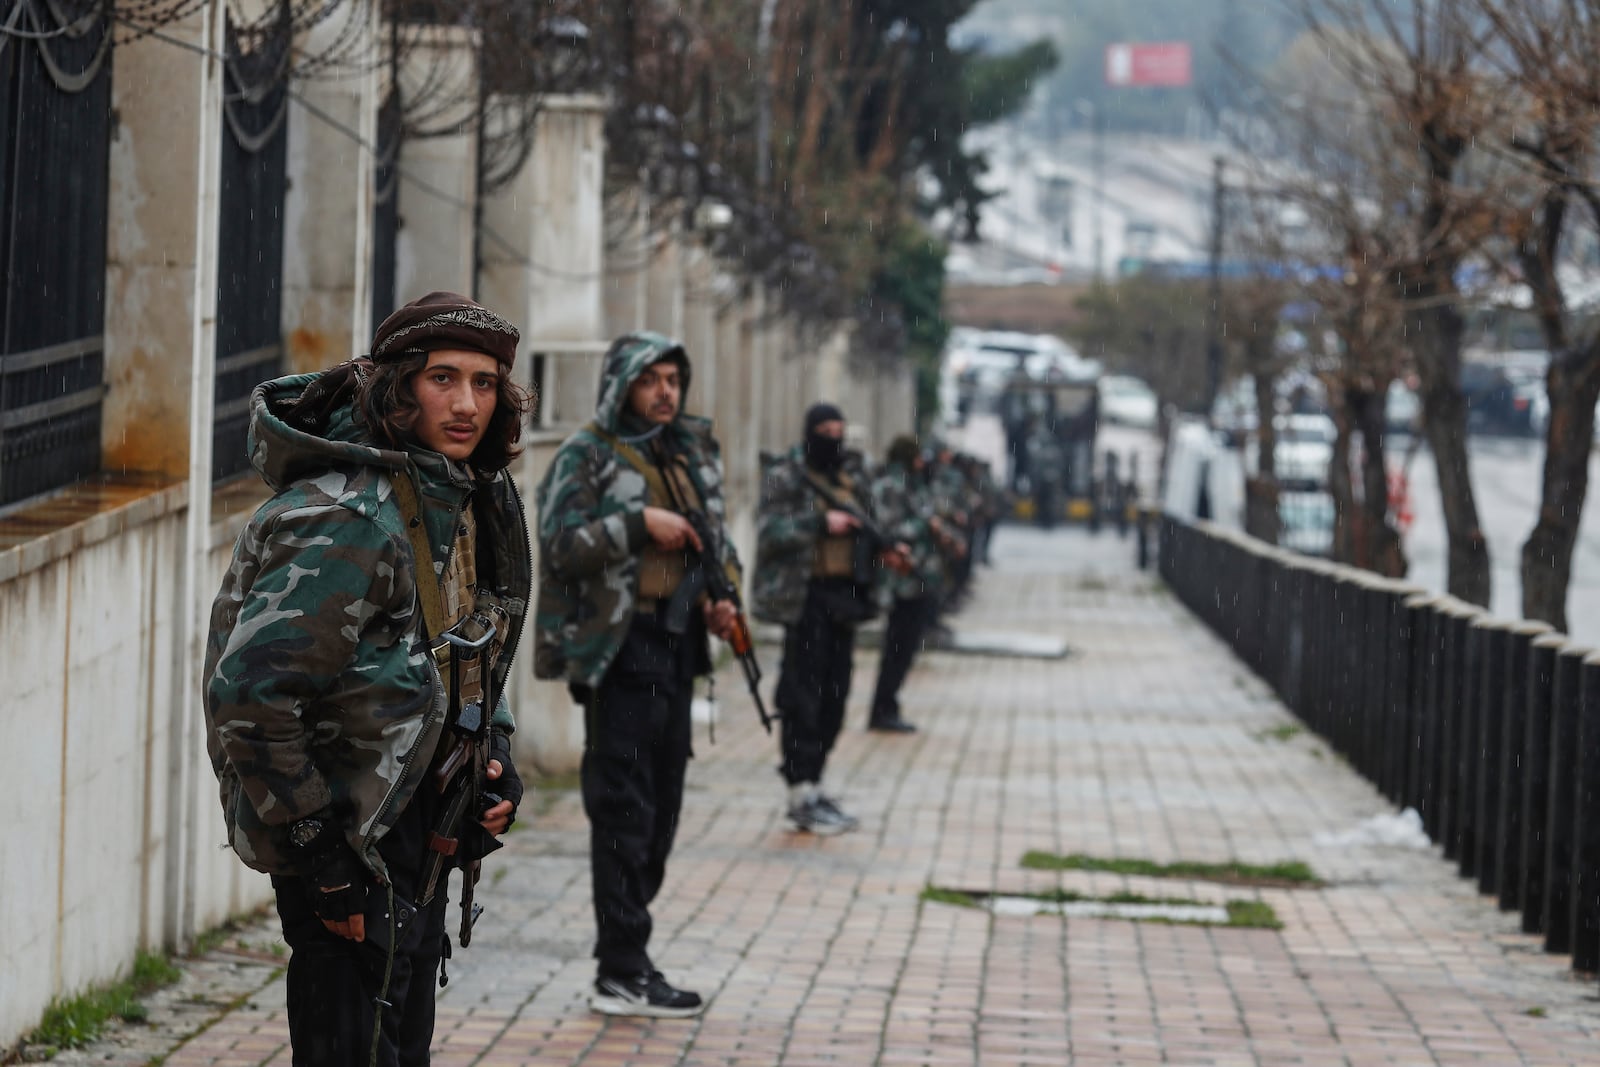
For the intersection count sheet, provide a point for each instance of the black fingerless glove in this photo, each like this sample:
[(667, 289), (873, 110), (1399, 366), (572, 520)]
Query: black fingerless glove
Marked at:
[(335, 877), (509, 785)]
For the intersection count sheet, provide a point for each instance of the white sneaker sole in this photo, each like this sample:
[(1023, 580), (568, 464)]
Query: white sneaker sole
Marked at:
[(619, 1007)]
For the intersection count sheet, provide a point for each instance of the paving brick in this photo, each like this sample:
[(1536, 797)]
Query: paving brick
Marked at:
[(1151, 741)]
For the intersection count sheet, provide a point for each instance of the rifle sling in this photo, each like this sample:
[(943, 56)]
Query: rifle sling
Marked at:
[(429, 595)]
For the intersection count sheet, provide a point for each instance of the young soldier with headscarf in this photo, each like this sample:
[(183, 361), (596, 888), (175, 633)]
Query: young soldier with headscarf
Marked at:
[(369, 616)]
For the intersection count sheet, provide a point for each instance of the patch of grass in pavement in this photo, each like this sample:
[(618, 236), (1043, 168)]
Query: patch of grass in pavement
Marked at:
[(1536, 1012), (1283, 732), (77, 1021), (1244, 914), (1292, 874), (1253, 914), (955, 897)]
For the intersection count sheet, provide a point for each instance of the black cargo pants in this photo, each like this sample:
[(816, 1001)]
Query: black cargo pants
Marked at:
[(902, 637), (635, 759), (813, 685), (334, 983)]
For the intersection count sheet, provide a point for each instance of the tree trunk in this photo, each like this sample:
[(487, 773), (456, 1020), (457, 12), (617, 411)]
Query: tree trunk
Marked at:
[(1444, 423), (1339, 485), (1262, 518), (1573, 385), (1381, 548)]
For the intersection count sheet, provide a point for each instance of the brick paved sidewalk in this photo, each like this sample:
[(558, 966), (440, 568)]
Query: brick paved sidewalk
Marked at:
[(1150, 742)]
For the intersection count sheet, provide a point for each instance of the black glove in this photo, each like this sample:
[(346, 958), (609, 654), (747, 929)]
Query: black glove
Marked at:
[(335, 877), (509, 785)]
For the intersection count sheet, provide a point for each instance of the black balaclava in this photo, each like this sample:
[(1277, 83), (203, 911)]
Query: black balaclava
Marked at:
[(825, 454)]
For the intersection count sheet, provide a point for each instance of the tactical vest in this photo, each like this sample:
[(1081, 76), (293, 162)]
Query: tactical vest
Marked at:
[(452, 603), (661, 570), (834, 556)]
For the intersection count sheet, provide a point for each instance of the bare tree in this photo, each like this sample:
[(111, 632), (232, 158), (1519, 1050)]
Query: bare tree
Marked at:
[(1554, 70), (1419, 65)]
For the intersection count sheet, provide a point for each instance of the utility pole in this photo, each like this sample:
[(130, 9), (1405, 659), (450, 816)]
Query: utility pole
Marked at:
[(1214, 312), (1099, 120)]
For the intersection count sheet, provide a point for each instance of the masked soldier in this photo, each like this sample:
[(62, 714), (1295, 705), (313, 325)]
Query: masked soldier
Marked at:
[(357, 651), (631, 505), (814, 575)]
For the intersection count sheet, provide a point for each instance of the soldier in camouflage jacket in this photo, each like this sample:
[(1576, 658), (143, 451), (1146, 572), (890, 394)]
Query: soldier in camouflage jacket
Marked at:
[(324, 703), (808, 578), (614, 549), (904, 503)]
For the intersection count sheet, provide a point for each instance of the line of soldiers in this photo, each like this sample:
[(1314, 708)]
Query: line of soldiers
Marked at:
[(362, 638)]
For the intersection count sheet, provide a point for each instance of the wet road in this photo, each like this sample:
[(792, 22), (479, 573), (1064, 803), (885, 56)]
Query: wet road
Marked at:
[(1506, 478)]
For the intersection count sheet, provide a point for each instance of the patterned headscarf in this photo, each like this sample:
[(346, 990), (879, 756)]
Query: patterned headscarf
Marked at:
[(445, 320)]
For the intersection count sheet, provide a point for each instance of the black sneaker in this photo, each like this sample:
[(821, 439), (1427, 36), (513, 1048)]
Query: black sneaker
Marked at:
[(838, 814), (814, 818), (891, 725), (647, 995)]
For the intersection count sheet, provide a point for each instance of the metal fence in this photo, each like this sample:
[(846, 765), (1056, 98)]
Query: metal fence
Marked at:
[(1489, 728), (55, 136), (254, 182)]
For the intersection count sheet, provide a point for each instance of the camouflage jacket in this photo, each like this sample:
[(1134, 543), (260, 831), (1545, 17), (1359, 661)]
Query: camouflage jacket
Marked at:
[(591, 521), (320, 690), (901, 502), (788, 524)]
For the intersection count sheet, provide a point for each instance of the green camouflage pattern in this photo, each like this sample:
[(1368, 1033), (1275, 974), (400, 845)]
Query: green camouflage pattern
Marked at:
[(788, 524), (902, 503), (591, 520), (319, 688)]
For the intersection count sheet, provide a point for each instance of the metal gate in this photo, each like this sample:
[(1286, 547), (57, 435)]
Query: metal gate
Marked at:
[(55, 123), (386, 209), (254, 181)]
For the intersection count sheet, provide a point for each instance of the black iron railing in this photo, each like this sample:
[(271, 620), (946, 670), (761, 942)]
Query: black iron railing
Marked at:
[(254, 183), (55, 136), (1489, 728)]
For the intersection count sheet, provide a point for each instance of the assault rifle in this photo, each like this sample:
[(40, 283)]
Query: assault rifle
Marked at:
[(871, 540), (462, 777), (706, 575)]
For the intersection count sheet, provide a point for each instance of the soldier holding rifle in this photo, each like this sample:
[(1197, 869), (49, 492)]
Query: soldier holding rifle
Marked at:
[(358, 649), (818, 556), (635, 570)]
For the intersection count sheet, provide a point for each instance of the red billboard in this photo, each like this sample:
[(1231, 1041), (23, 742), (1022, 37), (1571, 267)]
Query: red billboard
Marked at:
[(1166, 63)]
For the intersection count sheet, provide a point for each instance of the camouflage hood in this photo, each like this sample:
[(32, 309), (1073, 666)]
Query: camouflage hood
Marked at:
[(283, 454), (625, 360), (320, 692), (591, 520)]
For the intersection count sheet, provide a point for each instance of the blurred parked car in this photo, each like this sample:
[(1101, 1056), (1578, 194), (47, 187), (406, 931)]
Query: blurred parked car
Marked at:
[(1127, 401), (1494, 405), (1402, 409), (1304, 451)]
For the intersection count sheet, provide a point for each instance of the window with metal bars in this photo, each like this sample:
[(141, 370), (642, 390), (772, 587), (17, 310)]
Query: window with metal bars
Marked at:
[(55, 136), (254, 183)]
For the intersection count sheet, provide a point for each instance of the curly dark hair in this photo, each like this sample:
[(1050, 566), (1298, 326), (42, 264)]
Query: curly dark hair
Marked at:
[(389, 408)]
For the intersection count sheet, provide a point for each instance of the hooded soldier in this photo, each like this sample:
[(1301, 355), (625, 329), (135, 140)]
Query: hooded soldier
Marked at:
[(616, 543)]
